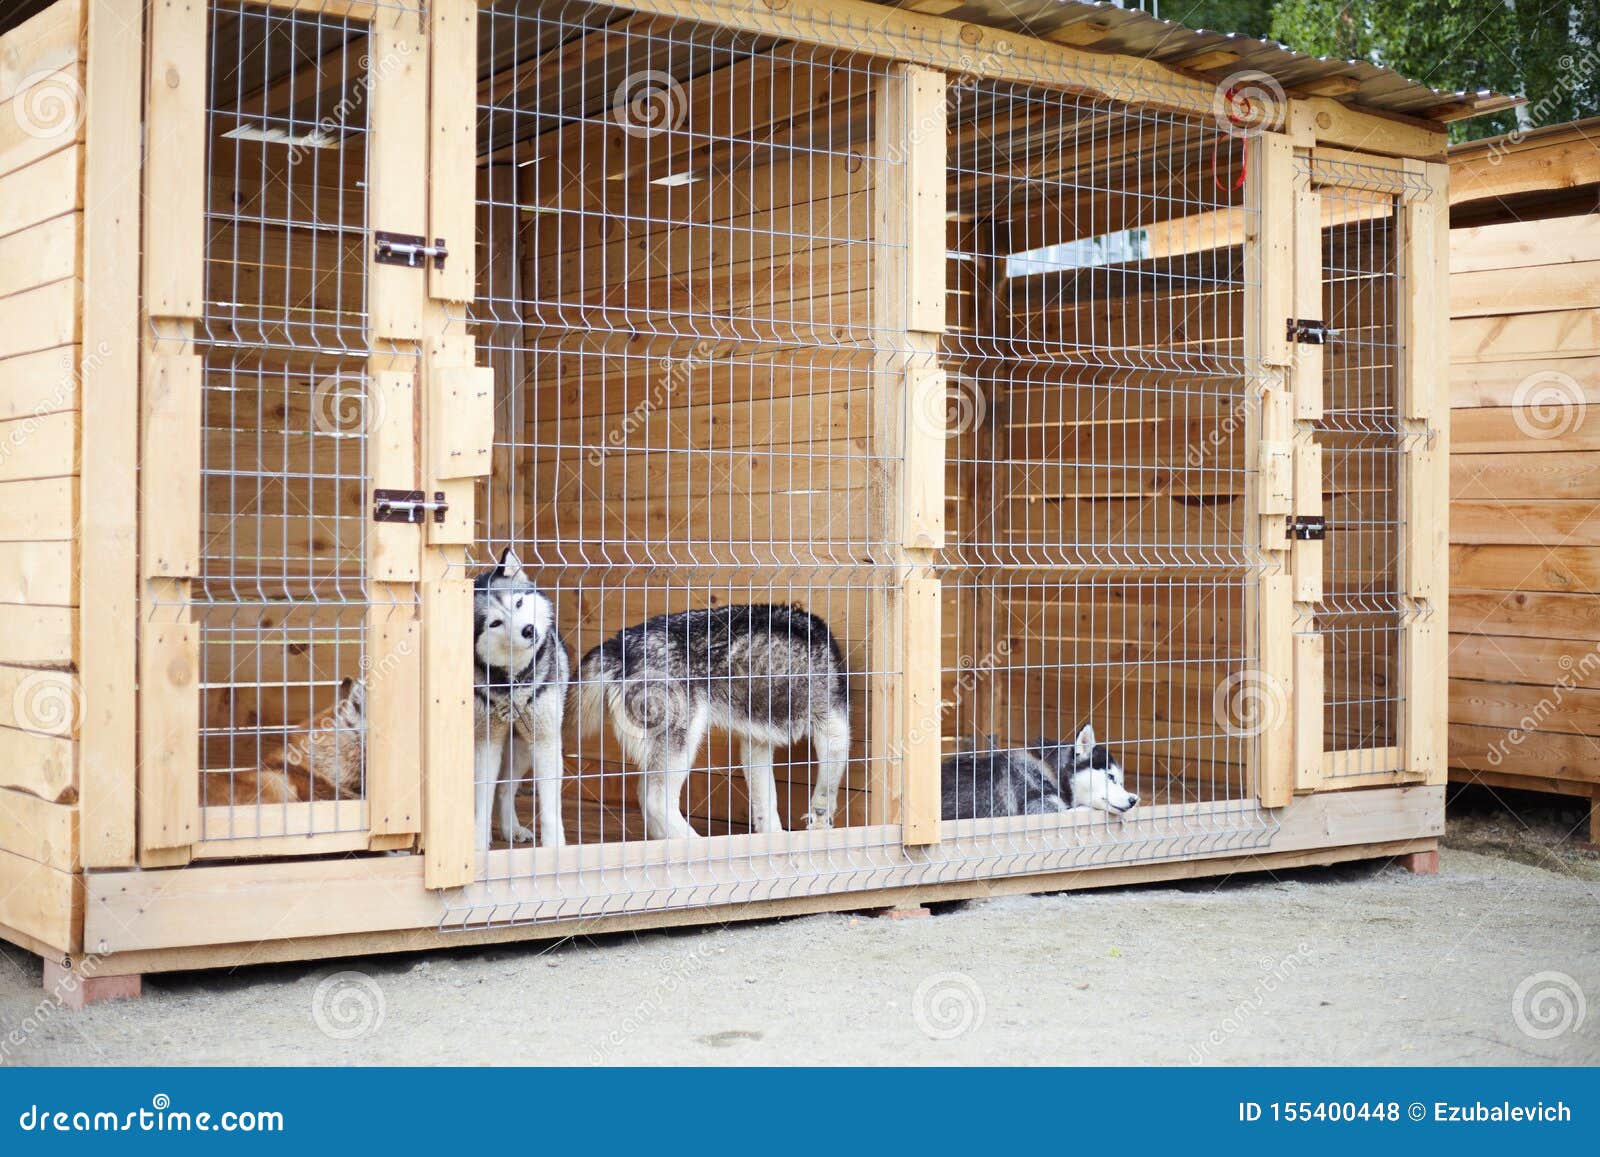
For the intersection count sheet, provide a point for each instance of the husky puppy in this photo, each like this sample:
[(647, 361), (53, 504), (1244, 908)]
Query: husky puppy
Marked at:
[(769, 675), (1088, 773), (520, 687), (321, 760), (993, 781)]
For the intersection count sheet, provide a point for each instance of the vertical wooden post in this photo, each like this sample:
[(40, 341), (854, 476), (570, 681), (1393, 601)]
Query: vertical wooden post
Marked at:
[(908, 316), (1306, 389), (175, 194), (109, 414), (458, 425), (1268, 254), (1425, 484)]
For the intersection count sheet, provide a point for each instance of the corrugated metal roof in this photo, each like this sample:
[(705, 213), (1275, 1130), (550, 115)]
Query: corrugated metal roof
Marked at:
[(1103, 27)]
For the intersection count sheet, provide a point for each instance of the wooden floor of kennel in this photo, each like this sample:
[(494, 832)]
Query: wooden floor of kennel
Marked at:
[(101, 832)]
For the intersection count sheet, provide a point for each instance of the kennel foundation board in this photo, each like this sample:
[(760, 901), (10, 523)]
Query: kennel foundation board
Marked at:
[(261, 283)]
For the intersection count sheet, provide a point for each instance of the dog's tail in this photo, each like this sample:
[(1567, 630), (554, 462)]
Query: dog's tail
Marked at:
[(593, 689)]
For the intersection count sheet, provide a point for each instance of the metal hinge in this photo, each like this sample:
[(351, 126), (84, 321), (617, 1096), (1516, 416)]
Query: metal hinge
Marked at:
[(410, 506), (409, 250), (1308, 528), (1310, 332)]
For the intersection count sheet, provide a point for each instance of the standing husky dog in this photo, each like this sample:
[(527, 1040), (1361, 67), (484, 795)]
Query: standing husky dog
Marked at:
[(521, 689), (1048, 777), (1088, 773), (770, 675)]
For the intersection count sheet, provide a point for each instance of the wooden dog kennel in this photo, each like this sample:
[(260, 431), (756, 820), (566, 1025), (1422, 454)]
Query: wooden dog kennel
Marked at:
[(1524, 366), (1086, 374)]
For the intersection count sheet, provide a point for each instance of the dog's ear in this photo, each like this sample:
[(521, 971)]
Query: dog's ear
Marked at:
[(510, 565), (1083, 746), (346, 685)]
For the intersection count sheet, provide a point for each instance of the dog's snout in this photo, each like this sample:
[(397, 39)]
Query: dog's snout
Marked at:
[(528, 632)]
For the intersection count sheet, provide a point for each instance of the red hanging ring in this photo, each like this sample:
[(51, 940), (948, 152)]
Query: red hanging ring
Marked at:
[(1239, 110)]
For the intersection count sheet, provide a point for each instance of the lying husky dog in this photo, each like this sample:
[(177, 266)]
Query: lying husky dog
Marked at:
[(321, 760), (1046, 777), (769, 675), (520, 688)]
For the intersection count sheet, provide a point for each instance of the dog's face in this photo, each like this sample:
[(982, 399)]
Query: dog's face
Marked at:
[(510, 617), (350, 713), (1088, 773)]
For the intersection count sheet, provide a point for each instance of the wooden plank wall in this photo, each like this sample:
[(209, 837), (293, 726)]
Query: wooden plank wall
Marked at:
[(1525, 504), (42, 109)]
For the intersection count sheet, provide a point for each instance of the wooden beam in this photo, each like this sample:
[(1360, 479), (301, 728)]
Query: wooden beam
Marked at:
[(107, 551)]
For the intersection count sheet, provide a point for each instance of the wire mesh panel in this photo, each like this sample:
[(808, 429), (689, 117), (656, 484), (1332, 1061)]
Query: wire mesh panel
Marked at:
[(1099, 613), (282, 596), (680, 275), (1363, 611)]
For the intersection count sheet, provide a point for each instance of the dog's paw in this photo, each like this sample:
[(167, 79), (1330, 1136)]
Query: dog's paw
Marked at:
[(519, 834), (819, 820)]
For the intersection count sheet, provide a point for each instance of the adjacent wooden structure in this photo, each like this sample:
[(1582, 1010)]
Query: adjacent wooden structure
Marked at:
[(107, 857), (1525, 476)]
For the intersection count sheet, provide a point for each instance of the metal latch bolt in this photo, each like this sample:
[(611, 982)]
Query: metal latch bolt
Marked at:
[(409, 250), (1308, 528), (1310, 332), (409, 506)]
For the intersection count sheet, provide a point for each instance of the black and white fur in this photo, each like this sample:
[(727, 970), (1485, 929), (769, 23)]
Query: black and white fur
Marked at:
[(520, 687), (1046, 777), (768, 675)]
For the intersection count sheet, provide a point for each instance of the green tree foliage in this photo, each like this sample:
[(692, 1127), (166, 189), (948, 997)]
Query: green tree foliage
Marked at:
[(1548, 50)]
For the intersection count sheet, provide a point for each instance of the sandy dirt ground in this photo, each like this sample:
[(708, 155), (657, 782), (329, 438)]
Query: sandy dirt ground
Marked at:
[(1496, 960)]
